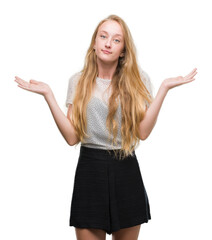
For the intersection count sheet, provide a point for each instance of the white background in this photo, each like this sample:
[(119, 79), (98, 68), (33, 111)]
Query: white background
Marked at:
[(47, 41)]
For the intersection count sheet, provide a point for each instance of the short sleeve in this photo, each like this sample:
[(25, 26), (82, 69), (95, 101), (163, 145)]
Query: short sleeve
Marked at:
[(73, 80), (147, 82)]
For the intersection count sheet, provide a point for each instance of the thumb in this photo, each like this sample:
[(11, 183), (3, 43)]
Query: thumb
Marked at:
[(33, 81)]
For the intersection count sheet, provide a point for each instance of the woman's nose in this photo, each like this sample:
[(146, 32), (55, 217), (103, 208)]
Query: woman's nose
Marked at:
[(108, 43)]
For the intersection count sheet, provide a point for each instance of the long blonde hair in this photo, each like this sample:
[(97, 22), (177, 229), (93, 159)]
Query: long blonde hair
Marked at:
[(127, 85)]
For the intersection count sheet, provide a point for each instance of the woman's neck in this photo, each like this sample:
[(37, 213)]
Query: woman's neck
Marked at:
[(106, 70)]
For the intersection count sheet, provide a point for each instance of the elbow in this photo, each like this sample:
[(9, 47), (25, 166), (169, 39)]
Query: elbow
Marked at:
[(143, 137), (145, 132), (73, 141), (69, 141), (70, 144)]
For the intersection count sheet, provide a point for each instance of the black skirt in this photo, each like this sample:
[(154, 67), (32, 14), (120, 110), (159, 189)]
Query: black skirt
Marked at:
[(108, 193)]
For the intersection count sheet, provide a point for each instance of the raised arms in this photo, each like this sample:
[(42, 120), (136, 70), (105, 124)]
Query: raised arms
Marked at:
[(150, 118), (63, 123)]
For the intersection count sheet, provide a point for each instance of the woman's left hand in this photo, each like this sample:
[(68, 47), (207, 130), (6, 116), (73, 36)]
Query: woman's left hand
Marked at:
[(177, 81)]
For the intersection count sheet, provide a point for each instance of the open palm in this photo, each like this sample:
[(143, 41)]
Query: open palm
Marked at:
[(33, 86), (177, 81)]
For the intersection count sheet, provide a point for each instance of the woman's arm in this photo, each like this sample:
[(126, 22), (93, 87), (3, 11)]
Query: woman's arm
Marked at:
[(150, 117), (63, 123)]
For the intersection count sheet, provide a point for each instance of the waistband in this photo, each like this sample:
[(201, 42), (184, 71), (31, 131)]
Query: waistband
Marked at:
[(95, 153)]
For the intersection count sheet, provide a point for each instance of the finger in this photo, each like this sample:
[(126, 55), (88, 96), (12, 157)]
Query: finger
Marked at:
[(24, 87), (28, 88), (20, 81), (192, 73), (23, 83), (189, 80), (18, 78), (195, 69)]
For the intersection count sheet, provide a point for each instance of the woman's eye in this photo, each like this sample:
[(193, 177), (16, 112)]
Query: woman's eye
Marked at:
[(116, 40), (102, 36)]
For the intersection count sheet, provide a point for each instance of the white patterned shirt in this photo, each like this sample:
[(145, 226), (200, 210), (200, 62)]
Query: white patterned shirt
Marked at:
[(97, 111)]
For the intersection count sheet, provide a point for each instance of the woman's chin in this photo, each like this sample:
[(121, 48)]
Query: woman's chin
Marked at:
[(107, 59)]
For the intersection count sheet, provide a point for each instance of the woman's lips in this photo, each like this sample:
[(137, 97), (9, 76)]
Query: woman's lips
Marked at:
[(106, 52)]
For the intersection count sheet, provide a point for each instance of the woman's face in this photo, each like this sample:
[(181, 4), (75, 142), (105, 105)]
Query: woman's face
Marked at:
[(109, 43)]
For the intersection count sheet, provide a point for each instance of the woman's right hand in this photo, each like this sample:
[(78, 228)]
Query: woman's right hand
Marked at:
[(34, 86)]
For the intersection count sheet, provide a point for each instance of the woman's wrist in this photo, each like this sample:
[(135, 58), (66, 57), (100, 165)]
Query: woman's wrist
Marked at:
[(164, 87), (48, 95)]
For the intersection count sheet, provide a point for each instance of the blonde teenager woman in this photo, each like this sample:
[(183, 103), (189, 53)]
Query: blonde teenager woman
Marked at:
[(110, 109)]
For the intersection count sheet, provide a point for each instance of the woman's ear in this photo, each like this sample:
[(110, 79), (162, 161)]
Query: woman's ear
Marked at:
[(122, 54)]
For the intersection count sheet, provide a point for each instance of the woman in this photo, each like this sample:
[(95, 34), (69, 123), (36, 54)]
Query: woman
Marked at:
[(110, 108)]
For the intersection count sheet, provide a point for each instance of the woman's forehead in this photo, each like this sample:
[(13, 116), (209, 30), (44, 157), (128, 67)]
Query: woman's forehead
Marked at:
[(111, 27)]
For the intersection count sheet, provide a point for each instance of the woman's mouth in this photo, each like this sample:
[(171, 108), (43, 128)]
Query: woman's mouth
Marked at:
[(106, 52)]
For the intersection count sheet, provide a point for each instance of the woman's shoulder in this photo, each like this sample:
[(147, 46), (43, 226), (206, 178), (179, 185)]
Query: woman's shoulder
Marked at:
[(73, 80), (144, 74), (75, 76), (146, 80)]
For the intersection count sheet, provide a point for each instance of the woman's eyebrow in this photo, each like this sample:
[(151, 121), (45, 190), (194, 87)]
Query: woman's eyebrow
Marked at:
[(114, 34)]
